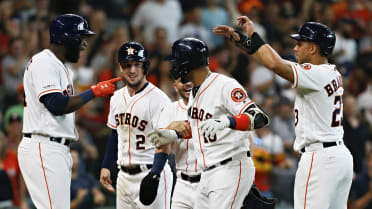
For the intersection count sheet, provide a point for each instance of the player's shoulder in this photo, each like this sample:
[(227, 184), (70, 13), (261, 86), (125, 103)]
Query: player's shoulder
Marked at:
[(308, 67), (118, 94), (42, 60), (156, 92), (45, 55), (225, 79), (227, 83)]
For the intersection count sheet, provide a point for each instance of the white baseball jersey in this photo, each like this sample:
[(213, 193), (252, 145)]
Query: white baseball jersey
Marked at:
[(46, 165), (183, 148), (134, 117), (46, 74), (324, 174), (218, 96), (318, 106)]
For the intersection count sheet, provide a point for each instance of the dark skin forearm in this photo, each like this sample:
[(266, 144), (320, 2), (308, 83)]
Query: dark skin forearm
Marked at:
[(74, 103)]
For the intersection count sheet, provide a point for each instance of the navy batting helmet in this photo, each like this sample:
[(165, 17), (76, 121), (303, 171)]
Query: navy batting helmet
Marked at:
[(133, 51), (67, 29), (318, 33), (187, 54)]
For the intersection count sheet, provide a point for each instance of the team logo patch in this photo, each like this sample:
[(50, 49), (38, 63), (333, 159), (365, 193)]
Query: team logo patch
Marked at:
[(238, 95), (306, 66), (130, 51)]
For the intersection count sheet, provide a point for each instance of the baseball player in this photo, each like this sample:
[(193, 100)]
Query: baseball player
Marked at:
[(134, 112), (48, 125), (325, 171), (174, 117), (220, 113)]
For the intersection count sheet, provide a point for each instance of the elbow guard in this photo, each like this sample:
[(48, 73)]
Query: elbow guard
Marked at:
[(258, 117)]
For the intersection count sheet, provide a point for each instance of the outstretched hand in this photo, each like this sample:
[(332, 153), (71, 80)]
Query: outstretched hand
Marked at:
[(105, 88), (226, 31), (243, 21), (246, 24)]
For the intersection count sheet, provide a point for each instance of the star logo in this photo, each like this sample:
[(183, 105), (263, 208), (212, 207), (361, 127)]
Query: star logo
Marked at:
[(130, 51)]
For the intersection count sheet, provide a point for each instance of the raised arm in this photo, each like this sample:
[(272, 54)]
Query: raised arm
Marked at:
[(255, 46)]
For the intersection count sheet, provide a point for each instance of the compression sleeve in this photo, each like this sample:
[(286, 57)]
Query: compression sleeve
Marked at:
[(56, 103), (111, 154)]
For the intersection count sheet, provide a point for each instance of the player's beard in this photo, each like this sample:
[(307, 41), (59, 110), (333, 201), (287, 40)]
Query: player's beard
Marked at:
[(72, 54), (136, 84)]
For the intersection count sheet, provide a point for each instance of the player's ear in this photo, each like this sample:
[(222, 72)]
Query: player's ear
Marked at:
[(314, 48)]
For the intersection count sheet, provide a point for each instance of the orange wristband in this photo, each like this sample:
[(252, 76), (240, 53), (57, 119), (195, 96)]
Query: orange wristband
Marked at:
[(242, 122)]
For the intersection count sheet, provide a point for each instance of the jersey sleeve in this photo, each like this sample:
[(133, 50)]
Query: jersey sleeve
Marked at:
[(111, 121), (306, 76), (46, 78), (157, 107), (165, 117), (234, 97)]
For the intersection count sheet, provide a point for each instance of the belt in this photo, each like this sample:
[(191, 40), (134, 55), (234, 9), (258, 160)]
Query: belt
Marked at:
[(191, 179), (134, 169), (60, 140), (325, 145), (223, 162)]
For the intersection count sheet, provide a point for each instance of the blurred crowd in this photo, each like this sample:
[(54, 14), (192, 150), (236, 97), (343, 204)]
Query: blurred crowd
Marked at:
[(157, 24)]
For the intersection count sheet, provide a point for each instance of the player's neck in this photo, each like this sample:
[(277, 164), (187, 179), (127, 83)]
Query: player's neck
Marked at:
[(132, 90), (185, 101), (58, 51), (199, 76), (319, 60)]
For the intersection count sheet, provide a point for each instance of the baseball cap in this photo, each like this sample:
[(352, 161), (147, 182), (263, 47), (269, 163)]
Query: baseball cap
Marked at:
[(13, 114), (15, 117)]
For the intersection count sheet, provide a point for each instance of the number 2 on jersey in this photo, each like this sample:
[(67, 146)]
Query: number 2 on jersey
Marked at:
[(335, 113), (139, 142)]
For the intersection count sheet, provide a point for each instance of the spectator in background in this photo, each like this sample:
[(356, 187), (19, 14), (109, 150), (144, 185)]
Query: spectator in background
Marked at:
[(356, 133), (361, 191), (85, 191), (13, 67), (268, 152), (211, 16), (13, 128), (364, 101), (262, 80), (153, 14), (345, 50), (83, 75), (16, 108), (192, 27), (282, 123), (6, 193), (365, 42), (98, 22)]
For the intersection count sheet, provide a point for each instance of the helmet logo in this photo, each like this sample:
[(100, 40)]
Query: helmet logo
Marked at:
[(80, 26), (130, 51), (140, 53)]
